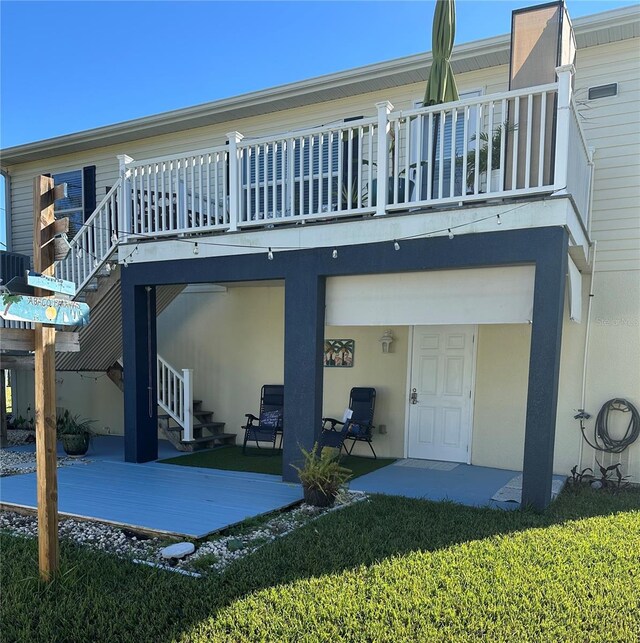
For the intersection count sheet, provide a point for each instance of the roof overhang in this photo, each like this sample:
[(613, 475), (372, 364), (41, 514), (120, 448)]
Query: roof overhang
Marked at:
[(602, 28)]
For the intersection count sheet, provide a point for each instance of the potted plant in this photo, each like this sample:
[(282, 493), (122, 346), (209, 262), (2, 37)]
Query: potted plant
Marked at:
[(483, 159), (321, 476), (74, 433)]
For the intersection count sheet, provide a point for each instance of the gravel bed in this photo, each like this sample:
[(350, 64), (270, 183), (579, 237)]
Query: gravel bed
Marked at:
[(16, 437), (16, 462), (210, 556)]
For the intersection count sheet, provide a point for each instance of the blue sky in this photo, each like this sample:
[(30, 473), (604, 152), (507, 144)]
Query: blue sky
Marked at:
[(69, 66)]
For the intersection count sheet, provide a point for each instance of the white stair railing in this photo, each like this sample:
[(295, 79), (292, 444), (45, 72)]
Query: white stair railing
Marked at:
[(175, 395), (93, 244)]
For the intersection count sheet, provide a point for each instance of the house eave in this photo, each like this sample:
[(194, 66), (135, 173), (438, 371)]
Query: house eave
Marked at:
[(618, 24)]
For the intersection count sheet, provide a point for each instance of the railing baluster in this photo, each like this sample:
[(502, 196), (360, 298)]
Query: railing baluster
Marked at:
[(527, 167), (516, 128), (543, 127)]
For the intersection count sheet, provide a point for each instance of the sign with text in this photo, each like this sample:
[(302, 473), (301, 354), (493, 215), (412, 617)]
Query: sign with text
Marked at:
[(53, 284), (44, 310)]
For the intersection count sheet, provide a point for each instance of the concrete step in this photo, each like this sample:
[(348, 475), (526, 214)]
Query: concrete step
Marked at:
[(209, 442)]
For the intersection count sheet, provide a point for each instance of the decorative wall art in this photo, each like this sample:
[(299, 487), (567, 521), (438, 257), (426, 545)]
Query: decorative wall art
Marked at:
[(338, 352)]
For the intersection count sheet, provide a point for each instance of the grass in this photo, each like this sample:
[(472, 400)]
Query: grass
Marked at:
[(232, 459), (391, 569)]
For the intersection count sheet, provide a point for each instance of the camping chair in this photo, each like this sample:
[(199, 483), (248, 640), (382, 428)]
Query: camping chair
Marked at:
[(357, 423), (267, 426)]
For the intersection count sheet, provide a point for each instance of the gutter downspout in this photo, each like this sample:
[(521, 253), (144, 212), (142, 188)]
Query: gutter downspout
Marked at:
[(586, 348)]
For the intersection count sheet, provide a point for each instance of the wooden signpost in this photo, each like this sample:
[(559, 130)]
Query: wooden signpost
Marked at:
[(45, 390), (48, 304)]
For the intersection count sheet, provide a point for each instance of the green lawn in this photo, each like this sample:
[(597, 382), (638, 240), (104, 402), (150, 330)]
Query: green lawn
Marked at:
[(232, 459), (391, 569)]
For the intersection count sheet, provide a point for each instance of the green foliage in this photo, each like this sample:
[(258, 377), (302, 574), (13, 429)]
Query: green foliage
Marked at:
[(395, 569), (67, 424), (322, 471), (483, 153)]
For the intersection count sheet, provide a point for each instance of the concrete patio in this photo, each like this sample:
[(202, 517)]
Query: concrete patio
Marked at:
[(432, 480)]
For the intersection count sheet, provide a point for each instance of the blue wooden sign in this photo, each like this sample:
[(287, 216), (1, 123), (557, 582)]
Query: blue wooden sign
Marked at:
[(53, 284), (44, 310)]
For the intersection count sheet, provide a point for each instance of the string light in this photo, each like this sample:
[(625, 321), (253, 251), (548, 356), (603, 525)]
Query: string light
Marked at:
[(107, 267), (334, 254), (115, 238)]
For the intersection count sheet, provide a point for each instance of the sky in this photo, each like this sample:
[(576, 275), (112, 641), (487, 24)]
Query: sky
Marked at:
[(69, 66)]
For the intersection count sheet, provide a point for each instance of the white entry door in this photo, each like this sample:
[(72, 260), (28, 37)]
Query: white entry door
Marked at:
[(441, 395)]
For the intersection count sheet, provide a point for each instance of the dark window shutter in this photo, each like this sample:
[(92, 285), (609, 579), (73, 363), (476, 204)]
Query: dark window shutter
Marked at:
[(89, 183)]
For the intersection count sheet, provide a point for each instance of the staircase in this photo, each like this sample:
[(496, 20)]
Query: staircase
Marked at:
[(91, 265), (207, 434)]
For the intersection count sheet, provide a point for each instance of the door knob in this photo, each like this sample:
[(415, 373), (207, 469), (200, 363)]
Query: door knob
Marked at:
[(414, 396)]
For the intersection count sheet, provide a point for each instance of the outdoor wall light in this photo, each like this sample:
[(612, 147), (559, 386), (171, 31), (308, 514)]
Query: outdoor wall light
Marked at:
[(386, 340)]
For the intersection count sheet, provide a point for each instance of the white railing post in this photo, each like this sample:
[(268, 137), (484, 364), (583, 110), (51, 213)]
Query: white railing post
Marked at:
[(384, 109), (234, 180), (187, 401), (592, 168), (124, 212), (563, 125)]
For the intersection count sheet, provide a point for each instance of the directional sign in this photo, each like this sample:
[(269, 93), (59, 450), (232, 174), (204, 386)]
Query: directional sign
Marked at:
[(53, 284), (44, 310)]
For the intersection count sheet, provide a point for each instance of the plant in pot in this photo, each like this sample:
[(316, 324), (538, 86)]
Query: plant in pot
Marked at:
[(74, 432), (321, 475), (405, 186), (486, 174)]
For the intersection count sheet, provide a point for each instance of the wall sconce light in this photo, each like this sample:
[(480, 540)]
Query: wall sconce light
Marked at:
[(386, 340)]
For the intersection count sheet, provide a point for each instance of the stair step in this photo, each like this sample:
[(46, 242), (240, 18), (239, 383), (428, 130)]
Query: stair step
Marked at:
[(210, 438)]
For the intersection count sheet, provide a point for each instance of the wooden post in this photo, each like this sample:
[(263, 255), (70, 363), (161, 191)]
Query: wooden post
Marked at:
[(3, 411), (45, 391)]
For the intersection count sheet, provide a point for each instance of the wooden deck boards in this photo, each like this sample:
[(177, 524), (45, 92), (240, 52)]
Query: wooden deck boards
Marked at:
[(160, 497)]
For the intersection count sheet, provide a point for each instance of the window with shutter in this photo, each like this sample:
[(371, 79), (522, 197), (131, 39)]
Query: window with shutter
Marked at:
[(315, 166), (80, 201)]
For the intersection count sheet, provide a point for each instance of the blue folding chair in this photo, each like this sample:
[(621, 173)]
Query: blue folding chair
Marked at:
[(268, 424), (356, 425)]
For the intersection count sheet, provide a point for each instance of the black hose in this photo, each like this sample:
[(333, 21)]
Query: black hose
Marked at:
[(602, 440)]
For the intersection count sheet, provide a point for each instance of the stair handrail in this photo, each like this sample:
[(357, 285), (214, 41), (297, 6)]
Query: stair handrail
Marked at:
[(94, 243), (175, 395)]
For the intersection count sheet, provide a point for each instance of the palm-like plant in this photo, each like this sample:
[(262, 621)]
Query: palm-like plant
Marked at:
[(483, 152)]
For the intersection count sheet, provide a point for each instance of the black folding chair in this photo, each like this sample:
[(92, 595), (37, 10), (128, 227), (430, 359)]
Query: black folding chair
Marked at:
[(357, 428), (266, 426)]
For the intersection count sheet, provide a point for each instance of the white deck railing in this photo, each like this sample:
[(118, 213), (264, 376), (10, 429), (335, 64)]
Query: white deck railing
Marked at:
[(507, 145), (175, 395), (178, 194), (94, 243)]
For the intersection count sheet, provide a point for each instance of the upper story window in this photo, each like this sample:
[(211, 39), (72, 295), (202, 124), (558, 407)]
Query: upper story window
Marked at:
[(81, 196)]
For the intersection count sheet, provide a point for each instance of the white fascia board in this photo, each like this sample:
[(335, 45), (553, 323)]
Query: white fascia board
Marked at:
[(554, 211)]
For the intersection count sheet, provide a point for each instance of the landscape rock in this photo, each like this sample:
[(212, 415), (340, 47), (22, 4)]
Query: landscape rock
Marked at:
[(178, 550)]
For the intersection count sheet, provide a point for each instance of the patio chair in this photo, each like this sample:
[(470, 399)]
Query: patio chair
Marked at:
[(357, 423), (268, 424)]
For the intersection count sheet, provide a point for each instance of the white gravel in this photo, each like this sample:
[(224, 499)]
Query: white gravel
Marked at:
[(16, 462), (211, 556)]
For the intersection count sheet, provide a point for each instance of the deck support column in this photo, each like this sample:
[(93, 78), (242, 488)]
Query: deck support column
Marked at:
[(140, 375), (544, 372), (303, 345)]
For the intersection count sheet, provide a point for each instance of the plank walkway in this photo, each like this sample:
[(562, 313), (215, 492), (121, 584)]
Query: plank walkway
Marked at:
[(185, 501)]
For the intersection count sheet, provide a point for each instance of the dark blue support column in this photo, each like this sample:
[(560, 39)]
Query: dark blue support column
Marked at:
[(303, 344), (140, 379), (544, 372)]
